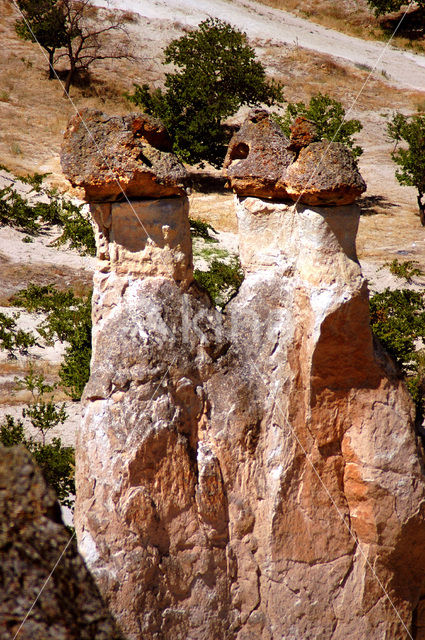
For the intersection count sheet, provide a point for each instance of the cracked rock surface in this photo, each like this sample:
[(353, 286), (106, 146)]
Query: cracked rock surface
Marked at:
[(244, 475), (32, 537), (112, 155), (262, 162)]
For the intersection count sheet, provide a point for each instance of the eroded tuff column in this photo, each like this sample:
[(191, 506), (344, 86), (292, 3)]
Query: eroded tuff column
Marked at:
[(224, 458)]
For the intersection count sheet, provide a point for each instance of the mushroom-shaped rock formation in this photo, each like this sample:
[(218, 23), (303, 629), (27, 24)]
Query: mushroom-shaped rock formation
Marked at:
[(112, 155), (325, 173), (262, 162), (258, 158)]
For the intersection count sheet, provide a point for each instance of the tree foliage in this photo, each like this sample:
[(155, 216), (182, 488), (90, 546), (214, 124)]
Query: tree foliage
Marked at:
[(328, 115), (398, 320), (43, 21), (16, 211), (65, 25), (55, 461), (410, 157), (13, 339), (215, 73), (68, 319), (381, 7)]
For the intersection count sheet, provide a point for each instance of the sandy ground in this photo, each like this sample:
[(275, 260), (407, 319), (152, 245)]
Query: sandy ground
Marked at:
[(401, 68)]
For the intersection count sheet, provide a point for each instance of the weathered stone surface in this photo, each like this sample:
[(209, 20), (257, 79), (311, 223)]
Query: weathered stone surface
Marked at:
[(145, 238), (262, 162), (253, 475), (32, 538), (325, 173), (109, 155), (258, 157), (303, 133)]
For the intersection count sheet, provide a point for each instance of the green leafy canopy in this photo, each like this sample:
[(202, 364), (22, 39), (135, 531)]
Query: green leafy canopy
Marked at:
[(410, 156), (381, 7), (328, 116), (216, 73)]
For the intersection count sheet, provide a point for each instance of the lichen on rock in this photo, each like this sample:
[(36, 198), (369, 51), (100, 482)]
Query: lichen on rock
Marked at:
[(109, 156)]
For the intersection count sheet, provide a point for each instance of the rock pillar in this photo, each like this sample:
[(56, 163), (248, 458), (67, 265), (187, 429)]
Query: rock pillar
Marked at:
[(253, 474)]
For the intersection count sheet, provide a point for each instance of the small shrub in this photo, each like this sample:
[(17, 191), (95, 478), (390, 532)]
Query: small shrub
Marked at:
[(16, 211), (222, 280), (398, 320), (328, 116), (200, 229), (68, 319), (55, 461), (406, 269), (13, 339)]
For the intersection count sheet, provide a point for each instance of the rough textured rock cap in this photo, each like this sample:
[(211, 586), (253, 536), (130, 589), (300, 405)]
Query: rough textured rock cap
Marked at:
[(262, 162), (258, 158), (325, 173), (303, 133), (107, 155), (32, 537)]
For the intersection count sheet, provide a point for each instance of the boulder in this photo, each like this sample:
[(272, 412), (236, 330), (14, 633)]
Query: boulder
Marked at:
[(57, 592), (325, 173), (111, 155), (258, 157), (262, 162)]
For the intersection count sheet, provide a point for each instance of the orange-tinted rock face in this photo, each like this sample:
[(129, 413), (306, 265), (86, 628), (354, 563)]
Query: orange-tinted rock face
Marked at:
[(112, 155), (245, 476)]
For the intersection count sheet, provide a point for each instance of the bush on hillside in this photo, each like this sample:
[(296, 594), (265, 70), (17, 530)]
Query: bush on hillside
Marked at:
[(328, 116), (68, 319), (55, 461), (398, 320)]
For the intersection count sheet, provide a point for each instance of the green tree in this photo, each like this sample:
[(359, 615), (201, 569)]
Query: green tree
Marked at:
[(55, 461), (328, 116), (411, 158), (65, 25), (68, 319), (398, 320), (215, 73), (381, 7), (43, 21)]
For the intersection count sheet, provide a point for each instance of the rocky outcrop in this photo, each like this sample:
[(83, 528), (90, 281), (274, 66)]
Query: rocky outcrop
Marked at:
[(253, 474), (262, 162), (258, 157), (325, 173), (57, 593), (111, 155)]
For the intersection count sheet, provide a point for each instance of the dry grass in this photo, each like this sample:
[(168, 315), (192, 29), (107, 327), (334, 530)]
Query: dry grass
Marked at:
[(353, 17), (11, 369), (15, 276), (304, 73), (33, 111)]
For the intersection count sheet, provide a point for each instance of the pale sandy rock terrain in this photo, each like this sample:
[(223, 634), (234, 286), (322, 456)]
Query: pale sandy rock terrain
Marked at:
[(404, 69)]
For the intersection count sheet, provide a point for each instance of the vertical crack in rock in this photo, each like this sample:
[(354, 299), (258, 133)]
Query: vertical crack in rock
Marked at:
[(197, 510)]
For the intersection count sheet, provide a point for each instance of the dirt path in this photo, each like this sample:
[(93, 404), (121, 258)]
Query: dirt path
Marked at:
[(398, 67)]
